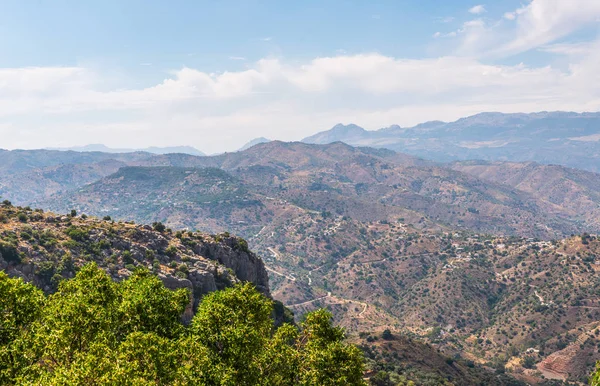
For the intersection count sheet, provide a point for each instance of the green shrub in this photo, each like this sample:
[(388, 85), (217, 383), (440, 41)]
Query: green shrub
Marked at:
[(127, 257), (9, 253), (171, 251), (77, 233), (159, 227)]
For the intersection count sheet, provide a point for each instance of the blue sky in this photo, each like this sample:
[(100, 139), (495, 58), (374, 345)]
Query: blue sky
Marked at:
[(216, 74)]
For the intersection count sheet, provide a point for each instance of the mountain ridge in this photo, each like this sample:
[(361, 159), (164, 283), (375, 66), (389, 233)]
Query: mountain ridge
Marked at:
[(566, 138)]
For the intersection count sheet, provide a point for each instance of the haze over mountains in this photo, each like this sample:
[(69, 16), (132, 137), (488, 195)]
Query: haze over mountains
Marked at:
[(255, 141), (153, 149), (565, 138)]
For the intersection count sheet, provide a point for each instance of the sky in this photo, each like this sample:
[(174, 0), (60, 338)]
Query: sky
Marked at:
[(216, 74)]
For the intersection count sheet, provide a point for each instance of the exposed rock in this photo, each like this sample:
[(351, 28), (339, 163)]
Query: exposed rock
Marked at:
[(246, 265), (202, 263), (175, 283)]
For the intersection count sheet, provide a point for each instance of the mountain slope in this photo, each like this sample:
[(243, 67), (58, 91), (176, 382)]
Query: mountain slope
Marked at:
[(363, 183), (573, 191), (339, 133), (28, 175), (253, 142)]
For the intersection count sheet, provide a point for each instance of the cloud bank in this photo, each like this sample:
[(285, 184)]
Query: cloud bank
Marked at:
[(285, 99)]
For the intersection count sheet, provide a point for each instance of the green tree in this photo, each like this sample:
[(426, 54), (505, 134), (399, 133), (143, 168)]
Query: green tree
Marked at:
[(234, 325), (20, 305), (382, 378), (81, 314), (147, 305), (94, 331), (325, 359)]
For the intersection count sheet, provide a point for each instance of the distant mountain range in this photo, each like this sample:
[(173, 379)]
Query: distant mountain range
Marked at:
[(153, 149), (254, 142), (565, 138)]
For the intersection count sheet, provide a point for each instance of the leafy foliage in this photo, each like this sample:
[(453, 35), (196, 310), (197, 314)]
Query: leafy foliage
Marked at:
[(595, 378), (96, 331)]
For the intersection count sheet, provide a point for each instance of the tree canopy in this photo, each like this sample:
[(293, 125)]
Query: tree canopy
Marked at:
[(595, 377), (95, 331)]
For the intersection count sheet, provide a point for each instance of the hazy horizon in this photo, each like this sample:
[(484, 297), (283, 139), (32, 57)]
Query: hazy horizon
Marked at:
[(215, 76)]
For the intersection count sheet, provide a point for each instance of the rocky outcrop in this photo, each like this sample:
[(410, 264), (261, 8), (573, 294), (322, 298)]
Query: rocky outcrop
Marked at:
[(175, 283), (233, 253), (44, 249)]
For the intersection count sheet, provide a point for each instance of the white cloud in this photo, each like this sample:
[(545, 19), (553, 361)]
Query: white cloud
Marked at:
[(444, 35), (477, 10), (538, 23), (241, 58), (569, 49), (544, 21), (55, 106)]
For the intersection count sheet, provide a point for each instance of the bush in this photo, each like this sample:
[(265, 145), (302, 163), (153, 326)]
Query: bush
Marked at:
[(159, 227), (183, 268), (387, 334), (77, 234), (171, 251), (9, 253), (127, 257), (529, 362), (242, 245)]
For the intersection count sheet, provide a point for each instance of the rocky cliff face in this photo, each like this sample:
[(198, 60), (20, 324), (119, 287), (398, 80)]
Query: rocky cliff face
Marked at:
[(44, 248)]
